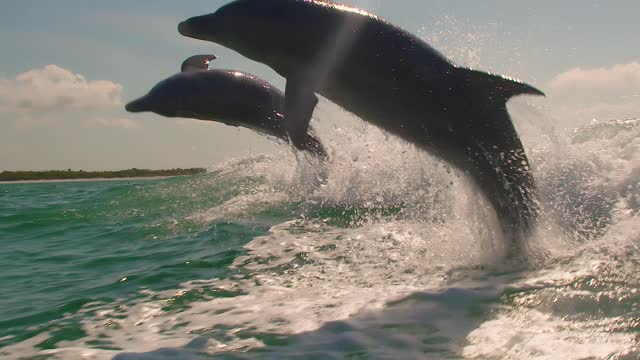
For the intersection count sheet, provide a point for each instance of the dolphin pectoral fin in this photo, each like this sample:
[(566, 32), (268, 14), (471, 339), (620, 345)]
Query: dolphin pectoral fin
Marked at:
[(314, 146), (300, 101), (197, 63)]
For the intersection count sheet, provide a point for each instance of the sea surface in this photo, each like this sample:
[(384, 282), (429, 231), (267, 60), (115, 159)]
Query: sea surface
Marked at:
[(383, 253)]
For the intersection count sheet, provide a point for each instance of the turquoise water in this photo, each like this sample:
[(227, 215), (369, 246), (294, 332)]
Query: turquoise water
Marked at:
[(69, 244), (371, 256)]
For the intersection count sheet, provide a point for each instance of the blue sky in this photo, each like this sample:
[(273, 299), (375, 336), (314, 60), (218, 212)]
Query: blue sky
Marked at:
[(583, 54)]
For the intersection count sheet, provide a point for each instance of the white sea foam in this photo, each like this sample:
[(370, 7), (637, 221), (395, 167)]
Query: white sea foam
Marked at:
[(582, 306), (308, 274)]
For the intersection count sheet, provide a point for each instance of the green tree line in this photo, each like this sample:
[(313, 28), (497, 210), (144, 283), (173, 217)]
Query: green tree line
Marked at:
[(80, 174)]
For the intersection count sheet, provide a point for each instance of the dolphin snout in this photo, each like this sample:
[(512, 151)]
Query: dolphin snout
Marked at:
[(199, 27), (138, 105), (185, 29)]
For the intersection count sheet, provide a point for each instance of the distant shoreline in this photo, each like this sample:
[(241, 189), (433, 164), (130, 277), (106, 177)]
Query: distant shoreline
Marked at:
[(81, 175), (47, 181)]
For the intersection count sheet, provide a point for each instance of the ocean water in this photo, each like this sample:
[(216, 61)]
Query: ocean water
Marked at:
[(383, 253)]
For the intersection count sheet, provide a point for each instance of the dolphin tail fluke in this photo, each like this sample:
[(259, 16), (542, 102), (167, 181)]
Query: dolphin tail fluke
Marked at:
[(497, 87), (503, 169)]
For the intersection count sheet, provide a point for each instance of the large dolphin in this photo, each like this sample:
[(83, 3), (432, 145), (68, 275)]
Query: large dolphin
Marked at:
[(227, 96), (390, 78)]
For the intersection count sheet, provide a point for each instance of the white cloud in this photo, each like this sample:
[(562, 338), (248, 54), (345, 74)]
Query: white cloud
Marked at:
[(582, 95), (112, 123), (55, 88), (616, 77)]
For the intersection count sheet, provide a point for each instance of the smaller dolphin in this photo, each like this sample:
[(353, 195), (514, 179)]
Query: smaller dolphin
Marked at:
[(230, 97)]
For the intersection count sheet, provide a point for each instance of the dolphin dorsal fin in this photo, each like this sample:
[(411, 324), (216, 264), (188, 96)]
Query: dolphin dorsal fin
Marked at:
[(197, 63)]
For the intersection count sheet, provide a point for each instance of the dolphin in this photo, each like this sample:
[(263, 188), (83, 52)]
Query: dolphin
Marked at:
[(230, 97), (390, 78)]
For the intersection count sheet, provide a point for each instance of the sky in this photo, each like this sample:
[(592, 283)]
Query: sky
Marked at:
[(68, 67)]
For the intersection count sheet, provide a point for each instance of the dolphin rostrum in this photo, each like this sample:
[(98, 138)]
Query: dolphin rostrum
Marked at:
[(227, 96)]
